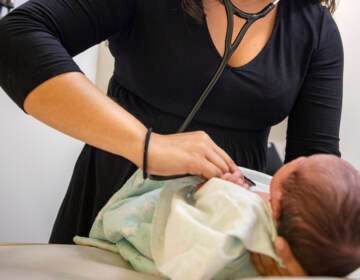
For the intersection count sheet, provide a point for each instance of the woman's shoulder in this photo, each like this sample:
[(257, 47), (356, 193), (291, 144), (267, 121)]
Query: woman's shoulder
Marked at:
[(309, 20), (311, 10)]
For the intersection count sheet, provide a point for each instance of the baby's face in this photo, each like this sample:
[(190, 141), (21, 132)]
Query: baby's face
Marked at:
[(276, 183)]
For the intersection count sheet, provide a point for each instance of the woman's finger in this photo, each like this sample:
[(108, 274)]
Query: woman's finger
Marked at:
[(230, 163), (227, 176), (215, 159), (213, 153), (207, 169), (186, 153)]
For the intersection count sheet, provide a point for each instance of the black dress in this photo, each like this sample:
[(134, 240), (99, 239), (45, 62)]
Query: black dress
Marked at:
[(164, 59)]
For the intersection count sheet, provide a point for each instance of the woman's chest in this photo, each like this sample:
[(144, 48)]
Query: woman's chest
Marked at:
[(174, 56)]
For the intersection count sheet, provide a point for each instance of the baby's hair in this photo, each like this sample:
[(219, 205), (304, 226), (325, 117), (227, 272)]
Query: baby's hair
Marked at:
[(320, 215)]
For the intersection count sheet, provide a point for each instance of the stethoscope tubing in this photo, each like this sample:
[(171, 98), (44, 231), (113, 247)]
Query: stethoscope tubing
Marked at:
[(229, 49)]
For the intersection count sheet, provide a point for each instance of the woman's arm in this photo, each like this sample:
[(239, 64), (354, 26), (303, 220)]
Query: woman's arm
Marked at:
[(313, 125), (71, 104), (39, 39)]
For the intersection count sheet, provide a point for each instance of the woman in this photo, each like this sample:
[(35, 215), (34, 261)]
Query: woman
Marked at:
[(289, 64)]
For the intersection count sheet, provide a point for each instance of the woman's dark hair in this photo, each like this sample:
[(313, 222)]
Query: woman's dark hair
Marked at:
[(194, 8), (320, 216)]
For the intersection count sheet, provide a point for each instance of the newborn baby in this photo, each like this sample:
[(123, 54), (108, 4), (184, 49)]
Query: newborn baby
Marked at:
[(315, 203)]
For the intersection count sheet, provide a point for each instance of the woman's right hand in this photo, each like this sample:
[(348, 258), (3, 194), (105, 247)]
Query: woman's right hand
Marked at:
[(71, 104), (187, 153)]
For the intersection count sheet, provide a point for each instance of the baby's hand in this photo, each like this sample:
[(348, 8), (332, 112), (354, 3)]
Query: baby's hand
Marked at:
[(235, 177)]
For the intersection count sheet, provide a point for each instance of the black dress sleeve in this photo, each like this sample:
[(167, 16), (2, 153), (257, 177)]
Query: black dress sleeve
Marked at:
[(313, 124), (38, 39)]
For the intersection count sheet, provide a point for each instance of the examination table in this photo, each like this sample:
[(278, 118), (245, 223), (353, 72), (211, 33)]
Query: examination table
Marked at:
[(70, 262)]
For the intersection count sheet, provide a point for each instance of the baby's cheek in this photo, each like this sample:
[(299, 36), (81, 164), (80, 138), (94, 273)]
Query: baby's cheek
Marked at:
[(263, 195)]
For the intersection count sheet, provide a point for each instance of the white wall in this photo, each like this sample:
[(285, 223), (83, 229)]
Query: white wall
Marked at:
[(36, 163), (105, 66), (347, 17)]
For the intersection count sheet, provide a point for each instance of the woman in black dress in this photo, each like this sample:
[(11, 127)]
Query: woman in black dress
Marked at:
[(290, 63)]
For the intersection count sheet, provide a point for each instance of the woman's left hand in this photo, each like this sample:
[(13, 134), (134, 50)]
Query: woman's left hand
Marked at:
[(267, 266)]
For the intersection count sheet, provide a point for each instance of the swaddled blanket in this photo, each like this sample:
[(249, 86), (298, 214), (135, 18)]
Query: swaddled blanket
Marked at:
[(164, 228)]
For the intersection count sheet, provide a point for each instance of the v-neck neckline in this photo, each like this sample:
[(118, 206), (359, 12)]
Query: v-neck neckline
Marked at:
[(257, 56)]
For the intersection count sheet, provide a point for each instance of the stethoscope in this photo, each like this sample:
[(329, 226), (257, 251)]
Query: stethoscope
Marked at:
[(230, 48)]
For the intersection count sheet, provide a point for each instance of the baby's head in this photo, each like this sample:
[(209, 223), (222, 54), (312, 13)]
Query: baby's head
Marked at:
[(316, 203)]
